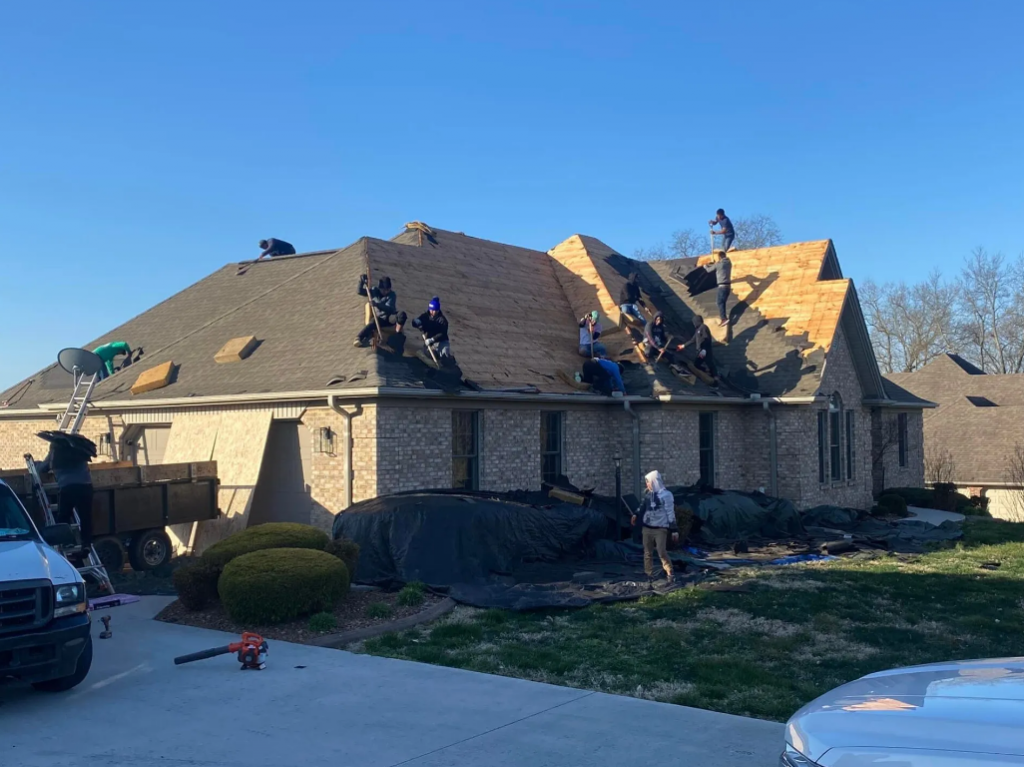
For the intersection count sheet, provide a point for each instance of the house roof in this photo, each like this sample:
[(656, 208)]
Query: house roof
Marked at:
[(512, 311), (979, 418)]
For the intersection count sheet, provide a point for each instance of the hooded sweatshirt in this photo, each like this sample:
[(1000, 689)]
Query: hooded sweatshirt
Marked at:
[(655, 334), (630, 293), (659, 507)]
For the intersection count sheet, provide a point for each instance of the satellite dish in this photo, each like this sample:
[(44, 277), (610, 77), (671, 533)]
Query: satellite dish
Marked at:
[(84, 360)]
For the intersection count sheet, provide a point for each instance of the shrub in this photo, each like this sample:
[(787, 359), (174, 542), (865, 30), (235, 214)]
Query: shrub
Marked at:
[(411, 595), (272, 535), (322, 622), (196, 584), (347, 551), (379, 610), (684, 521), (892, 505), (278, 585), (914, 496)]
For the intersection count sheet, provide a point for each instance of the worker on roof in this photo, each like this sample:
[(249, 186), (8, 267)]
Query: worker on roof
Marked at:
[(274, 247), (590, 331), (701, 341), (385, 306), (630, 299), (434, 327), (656, 341), (604, 377), (726, 230), (657, 515), (108, 353), (722, 268)]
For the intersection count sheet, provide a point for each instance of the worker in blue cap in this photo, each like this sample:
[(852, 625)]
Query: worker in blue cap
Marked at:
[(434, 327)]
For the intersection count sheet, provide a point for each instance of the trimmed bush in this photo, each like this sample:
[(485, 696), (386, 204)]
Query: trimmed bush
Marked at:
[(378, 610), (272, 535), (411, 595), (892, 505), (322, 622), (196, 584), (347, 551), (278, 585)]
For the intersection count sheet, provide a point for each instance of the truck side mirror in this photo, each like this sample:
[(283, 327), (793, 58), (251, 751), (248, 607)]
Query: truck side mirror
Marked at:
[(58, 535)]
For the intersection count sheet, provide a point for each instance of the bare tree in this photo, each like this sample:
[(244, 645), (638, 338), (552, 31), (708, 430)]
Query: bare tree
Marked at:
[(1015, 477), (991, 291), (757, 231), (910, 325), (939, 465)]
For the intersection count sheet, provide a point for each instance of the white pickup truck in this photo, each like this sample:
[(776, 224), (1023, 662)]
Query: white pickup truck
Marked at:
[(45, 628)]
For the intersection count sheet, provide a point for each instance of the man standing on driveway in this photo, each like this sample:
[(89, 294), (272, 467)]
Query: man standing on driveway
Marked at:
[(727, 232), (657, 514)]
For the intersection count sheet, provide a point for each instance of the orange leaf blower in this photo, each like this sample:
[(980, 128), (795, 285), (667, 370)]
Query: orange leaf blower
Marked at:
[(252, 652)]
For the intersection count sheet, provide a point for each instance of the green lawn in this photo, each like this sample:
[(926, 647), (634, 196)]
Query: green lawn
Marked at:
[(783, 636)]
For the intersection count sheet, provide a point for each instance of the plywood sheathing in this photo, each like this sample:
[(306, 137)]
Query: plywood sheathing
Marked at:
[(585, 277), (236, 350), (154, 378)]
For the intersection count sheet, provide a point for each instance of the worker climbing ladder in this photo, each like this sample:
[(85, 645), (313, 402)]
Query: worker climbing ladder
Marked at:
[(85, 368)]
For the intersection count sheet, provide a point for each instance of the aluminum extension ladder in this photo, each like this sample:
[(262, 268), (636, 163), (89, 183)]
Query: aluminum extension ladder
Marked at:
[(70, 422)]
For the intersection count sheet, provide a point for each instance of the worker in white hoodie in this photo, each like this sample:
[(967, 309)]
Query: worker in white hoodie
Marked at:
[(657, 514)]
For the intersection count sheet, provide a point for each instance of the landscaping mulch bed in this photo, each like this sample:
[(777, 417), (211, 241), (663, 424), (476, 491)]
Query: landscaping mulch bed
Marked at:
[(350, 614)]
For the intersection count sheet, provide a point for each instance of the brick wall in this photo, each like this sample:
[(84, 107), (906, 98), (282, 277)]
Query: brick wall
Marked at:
[(327, 480), (18, 436), (889, 473), (510, 449), (414, 448)]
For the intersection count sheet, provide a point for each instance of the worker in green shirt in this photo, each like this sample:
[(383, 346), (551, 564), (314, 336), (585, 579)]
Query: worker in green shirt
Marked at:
[(108, 352)]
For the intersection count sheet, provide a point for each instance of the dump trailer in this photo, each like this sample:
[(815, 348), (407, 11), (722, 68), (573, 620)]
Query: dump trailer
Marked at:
[(133, 506)]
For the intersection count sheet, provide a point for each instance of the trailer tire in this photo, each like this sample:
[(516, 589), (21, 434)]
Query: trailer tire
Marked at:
[(149, 550), (111, 553)]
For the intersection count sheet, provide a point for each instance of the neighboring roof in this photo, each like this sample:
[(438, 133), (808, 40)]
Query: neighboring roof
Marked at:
[(979, 418), (512, 312)]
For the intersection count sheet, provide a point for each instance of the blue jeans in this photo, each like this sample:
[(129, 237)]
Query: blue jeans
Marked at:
[(727, 241), (633, 311), (723, 296), (599, 350)]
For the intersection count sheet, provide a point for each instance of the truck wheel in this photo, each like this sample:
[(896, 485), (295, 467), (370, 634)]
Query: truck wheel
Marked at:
[(67, 682), (111, 553), (149, 550)]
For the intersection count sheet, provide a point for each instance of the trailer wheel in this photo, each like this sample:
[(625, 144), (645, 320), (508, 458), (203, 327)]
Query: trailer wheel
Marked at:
[(111, 553), (149, 550)]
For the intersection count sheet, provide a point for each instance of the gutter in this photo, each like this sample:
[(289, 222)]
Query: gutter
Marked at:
[(891, 403), (703, 399), (636, 447), (347, 438)]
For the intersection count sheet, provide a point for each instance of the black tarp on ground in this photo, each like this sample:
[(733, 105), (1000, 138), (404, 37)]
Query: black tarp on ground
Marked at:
[(727, 516), (902, 535)]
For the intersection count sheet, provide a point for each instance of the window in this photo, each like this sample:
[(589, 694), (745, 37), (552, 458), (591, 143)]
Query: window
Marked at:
[(550, 446), (707, 449), (901, 430), (835, 444), (851, 450), (466, 449), (822, 439)]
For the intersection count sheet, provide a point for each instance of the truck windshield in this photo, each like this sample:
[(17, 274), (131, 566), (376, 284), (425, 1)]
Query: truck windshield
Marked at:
[(14, 522)]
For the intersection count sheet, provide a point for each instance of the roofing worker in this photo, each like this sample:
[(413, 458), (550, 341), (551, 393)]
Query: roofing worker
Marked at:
[(434, 326), (657, 514), (273, 247), (656, 340), (604, 377), (702, 343), (590, 331), (630, 299), (109, 352), (68, 459), (722, 267), (385, 306), (727, 231)]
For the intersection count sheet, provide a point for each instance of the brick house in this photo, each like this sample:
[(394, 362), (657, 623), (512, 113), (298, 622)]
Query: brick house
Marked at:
[(307, 424), (975, 437)]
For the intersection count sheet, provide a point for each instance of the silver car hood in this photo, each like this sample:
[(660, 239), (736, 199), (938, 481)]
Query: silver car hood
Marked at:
[(31, 560), (974, 707)]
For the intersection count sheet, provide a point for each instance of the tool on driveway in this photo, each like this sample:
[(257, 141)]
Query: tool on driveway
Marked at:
[(106, 633), (251, 652)]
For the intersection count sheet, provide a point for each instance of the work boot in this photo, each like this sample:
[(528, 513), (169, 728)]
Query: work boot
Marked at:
[(359, 342)]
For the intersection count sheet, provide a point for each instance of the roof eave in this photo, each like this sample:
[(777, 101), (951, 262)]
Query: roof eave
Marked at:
[(893, 403)]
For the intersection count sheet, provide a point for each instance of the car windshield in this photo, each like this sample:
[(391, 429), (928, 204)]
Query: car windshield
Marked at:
[(14, 522)]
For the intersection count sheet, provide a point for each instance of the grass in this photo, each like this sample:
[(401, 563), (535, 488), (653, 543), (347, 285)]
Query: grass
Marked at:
[(411, 595), (321, 622), (784, 636), (379, 610)]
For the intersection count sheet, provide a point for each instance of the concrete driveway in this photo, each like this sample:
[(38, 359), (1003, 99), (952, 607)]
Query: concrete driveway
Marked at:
[(314, 706)]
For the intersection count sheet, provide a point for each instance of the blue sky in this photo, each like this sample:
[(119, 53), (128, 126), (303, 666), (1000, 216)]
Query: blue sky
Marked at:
[(144, 145)]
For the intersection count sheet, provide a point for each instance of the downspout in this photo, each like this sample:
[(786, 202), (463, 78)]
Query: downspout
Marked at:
[(346, 437), (773, 452), (636, 447)]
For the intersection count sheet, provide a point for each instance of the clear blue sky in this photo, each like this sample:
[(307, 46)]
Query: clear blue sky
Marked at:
[(146, 144)]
